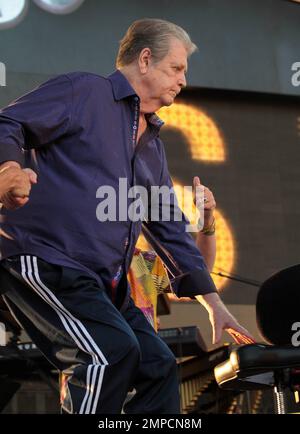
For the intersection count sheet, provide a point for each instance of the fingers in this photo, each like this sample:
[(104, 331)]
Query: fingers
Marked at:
[(198, 193), (241, 337), (209, 200), (235, 337), (239, 334), (196, 181), (22, 183), (32, 175), (20, 201), (221, 319), (243, 332), (203, 197), (17, 188), (21, 190), (10, 202)]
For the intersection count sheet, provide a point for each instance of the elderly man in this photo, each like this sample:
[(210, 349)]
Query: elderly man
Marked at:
[(73, 298)]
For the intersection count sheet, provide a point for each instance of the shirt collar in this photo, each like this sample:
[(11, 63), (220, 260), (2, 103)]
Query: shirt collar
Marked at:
[(120, 85), (155, 120), (122, 89)]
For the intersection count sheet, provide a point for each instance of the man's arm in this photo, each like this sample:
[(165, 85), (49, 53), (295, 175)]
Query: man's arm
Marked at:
[(191, 277), (221, 319), (206, 238), (36, 119)]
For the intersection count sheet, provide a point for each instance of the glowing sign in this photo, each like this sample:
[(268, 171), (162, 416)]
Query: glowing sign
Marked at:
[(204, 138)]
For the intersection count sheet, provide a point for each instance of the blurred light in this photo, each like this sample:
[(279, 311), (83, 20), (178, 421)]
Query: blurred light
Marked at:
[(59, 6), (204, 138), (12, 12)]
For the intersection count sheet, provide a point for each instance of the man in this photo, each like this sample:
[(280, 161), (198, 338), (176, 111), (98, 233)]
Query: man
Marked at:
[(73, 297)]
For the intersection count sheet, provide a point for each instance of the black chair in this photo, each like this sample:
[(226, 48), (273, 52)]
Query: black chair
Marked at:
[(276, 364)]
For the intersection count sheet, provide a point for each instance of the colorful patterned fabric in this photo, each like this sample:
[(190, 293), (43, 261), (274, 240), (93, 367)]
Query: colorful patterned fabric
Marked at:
[(147, 277)]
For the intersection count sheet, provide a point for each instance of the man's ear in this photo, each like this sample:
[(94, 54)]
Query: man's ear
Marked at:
[(144, 60)]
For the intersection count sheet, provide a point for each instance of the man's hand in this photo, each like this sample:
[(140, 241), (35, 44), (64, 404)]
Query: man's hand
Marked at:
[(204, 201), (221, 319), (206, 239), (15, 185)]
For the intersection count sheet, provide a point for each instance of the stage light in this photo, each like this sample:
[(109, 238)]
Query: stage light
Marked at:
[(59, 7), (205, 140), (12, 12)]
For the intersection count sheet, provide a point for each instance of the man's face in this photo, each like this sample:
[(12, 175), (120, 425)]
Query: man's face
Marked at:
[(166, 78)]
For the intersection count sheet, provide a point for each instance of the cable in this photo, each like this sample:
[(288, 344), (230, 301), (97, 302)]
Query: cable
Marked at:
[(237, 278)]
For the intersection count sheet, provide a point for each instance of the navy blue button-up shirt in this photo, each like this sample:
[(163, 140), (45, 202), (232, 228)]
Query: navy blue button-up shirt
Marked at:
[(78, 129)]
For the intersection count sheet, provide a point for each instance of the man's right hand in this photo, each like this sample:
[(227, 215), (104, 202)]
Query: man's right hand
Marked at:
[(221, 319), (15, 185)]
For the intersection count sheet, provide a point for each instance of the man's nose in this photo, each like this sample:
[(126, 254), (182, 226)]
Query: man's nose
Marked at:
[(182, 81)]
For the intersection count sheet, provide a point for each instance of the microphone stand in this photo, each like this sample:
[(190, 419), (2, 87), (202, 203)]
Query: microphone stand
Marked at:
[(237, 278)]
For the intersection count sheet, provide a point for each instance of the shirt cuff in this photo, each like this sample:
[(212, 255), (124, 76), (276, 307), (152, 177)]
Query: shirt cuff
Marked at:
[(198, 282), (11, 153)]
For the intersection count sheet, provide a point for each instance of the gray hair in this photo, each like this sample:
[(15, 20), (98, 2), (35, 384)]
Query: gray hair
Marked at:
[(154, 34)]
